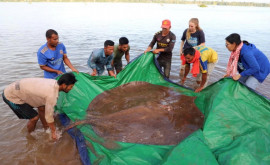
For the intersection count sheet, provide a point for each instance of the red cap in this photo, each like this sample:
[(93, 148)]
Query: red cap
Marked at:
[(166, 24)]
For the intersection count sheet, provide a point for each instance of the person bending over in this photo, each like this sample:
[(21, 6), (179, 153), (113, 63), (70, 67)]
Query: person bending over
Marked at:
[(204, 60), (41, 93)]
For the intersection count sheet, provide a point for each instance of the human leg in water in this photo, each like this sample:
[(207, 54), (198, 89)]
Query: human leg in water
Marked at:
[(31, 125), (41, 112)]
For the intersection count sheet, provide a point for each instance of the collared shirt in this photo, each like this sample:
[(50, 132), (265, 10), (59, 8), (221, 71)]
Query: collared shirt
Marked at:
[(52, 59), (36, 92), (98, 60)]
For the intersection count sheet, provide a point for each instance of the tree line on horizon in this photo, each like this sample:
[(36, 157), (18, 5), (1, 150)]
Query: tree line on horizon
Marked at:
[(198, 2)]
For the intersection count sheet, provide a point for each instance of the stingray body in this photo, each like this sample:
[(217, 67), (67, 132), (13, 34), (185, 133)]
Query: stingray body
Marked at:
[(140, 112)]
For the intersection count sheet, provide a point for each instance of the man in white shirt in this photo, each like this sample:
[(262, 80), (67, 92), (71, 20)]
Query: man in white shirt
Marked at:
[(24, 95)]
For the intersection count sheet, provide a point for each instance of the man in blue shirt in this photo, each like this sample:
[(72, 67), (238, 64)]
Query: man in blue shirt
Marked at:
[(52, 55), (102, 57)]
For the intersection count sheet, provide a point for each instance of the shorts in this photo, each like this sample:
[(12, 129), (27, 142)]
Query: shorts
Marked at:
[(118, 65), (23, 111)]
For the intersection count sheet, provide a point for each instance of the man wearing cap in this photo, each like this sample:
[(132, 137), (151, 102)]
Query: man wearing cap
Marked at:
[(165, 42)]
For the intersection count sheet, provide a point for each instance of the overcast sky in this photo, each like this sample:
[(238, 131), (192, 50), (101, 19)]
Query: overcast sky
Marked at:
[(257, 1)]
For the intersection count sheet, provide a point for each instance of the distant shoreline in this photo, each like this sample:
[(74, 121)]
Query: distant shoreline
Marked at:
[(200, 3)]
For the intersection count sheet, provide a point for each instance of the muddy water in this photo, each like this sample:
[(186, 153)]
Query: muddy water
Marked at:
[(22, 32), (36, 148), (139, 112)]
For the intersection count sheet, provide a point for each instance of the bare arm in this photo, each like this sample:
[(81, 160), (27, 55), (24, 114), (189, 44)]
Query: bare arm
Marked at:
[(148, 49), (68, 63), (202, 44), (181, 47), (156, 51), (53, 130), (94, 73), (127, 56), (111, 73), (187, 68), (48, 69), (204, 77)]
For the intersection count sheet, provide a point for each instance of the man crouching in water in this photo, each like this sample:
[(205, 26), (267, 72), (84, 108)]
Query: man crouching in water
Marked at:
[(24, 95)]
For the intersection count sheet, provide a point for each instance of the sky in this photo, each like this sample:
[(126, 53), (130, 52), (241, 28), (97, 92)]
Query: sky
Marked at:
[(257, 1)]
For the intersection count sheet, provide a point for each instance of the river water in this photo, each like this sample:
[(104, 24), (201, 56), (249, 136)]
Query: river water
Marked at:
[(85, 26)]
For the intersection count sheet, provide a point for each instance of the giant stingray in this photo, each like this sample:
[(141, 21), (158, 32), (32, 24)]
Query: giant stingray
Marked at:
[(140, 112)]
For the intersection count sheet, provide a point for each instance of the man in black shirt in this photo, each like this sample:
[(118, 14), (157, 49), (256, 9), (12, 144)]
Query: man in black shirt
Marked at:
[(165, 42)]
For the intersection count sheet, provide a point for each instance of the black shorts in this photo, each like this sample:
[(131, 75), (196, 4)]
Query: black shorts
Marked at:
[(118, 65), (23, 111)]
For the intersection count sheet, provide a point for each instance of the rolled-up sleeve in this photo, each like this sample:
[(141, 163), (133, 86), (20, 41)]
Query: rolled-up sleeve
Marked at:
[(92, 61), (49, 108)]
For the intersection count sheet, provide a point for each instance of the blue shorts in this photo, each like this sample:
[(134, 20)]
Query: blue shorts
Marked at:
[(23, 111)]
